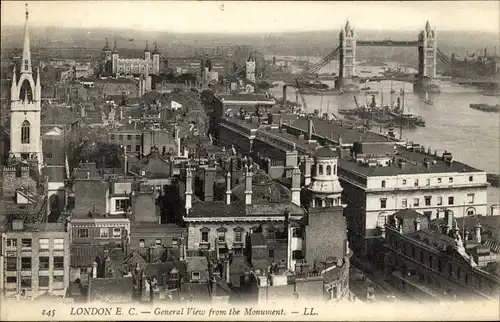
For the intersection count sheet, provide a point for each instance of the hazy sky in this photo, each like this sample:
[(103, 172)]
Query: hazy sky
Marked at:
[(255, 17)]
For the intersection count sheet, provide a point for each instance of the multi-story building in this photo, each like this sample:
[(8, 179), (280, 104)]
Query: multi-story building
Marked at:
[(379, 180), (113, 64), (443, 259), (35, 259)]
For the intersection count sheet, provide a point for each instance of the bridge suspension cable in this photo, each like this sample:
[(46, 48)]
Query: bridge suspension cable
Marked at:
[(443, 57), (322, 63)]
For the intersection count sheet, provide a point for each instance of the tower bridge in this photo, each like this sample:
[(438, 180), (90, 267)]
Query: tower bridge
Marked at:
[(426, 44)]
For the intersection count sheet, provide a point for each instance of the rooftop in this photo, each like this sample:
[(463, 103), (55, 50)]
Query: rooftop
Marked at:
[(245, 97), (111, 289), (413, 163), (328, 129)]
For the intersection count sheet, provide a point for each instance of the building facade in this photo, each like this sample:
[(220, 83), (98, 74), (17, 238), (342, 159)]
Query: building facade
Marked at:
[(35, 260), (114, 65), (408, 177)]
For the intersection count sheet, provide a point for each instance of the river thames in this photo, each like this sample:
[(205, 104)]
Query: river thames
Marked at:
[(472, 136)]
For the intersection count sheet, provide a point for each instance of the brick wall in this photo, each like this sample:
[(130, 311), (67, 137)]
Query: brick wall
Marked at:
[(326, 233)]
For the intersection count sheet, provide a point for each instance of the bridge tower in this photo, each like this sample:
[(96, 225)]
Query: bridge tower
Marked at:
[(347, 56), (427, 57)]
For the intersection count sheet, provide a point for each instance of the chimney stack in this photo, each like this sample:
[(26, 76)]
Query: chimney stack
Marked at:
[(296, 186), (228, 271), (94, 270), (477, 229), (228, 188), (309, 128), (248, 186), (449, 221), (189, 189), (417, 223), (209, 184), (308, 162), (284, 95)]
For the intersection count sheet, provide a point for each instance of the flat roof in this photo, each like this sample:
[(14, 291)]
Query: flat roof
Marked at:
[(325, 128), (414, 165), (245, 97)]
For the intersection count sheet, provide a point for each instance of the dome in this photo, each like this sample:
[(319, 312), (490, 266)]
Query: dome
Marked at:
[(106, 48), (326, 152), (260, 178)]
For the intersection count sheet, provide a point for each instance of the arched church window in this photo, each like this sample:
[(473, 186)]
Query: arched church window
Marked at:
[(320, 169), (334, 169), (328, 170), (25, 132)]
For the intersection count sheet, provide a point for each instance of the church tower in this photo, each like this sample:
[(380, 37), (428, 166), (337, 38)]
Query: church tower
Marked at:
[(25, 108), (114, 59)]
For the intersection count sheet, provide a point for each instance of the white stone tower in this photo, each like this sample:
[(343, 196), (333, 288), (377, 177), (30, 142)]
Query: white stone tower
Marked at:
[(156, 60), (428, 52), (250, 70), (325, 188), (347, 53), (115, 57), (25, 108), (147, 53)]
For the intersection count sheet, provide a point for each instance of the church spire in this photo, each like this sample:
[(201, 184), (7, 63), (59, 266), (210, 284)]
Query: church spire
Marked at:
[(26, 63), (13, 88), (38, 85)]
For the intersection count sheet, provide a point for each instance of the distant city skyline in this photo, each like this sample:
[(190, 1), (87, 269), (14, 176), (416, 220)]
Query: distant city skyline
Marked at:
[(256, 17)]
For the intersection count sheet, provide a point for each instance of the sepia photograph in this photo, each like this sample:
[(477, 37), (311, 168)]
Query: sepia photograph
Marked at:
[(249, 160)]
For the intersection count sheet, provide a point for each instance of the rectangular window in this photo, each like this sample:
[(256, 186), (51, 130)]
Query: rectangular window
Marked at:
[(44, 244), (416, 183), (104, 233), (58, 279), (471, 178), (204, 236), (129, 137), (440, 201), (11, 242), (175, 242), (112, 137), (416, 202), (470, 198), (25, 263), (121, 137), (450, 179), (158, 242), (43, 281), (404, 182), (383, 183), (129, 147), (137, 148), (221, 236), (383, 203), (26, 282), (142, 242), (195, 276), (12, 264), (297, 232), (237, 236), (58, 263), (271, 254), (59, 244), (11, 280), (428, 182), (44, 263), (83, 233), (26, 243), (121, 204), (439, 180), (404, 203), (427, 200), (451, 200), (117, 232), (138, 137)]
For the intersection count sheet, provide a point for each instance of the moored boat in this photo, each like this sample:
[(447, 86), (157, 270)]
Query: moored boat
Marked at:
[(485, 107)]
